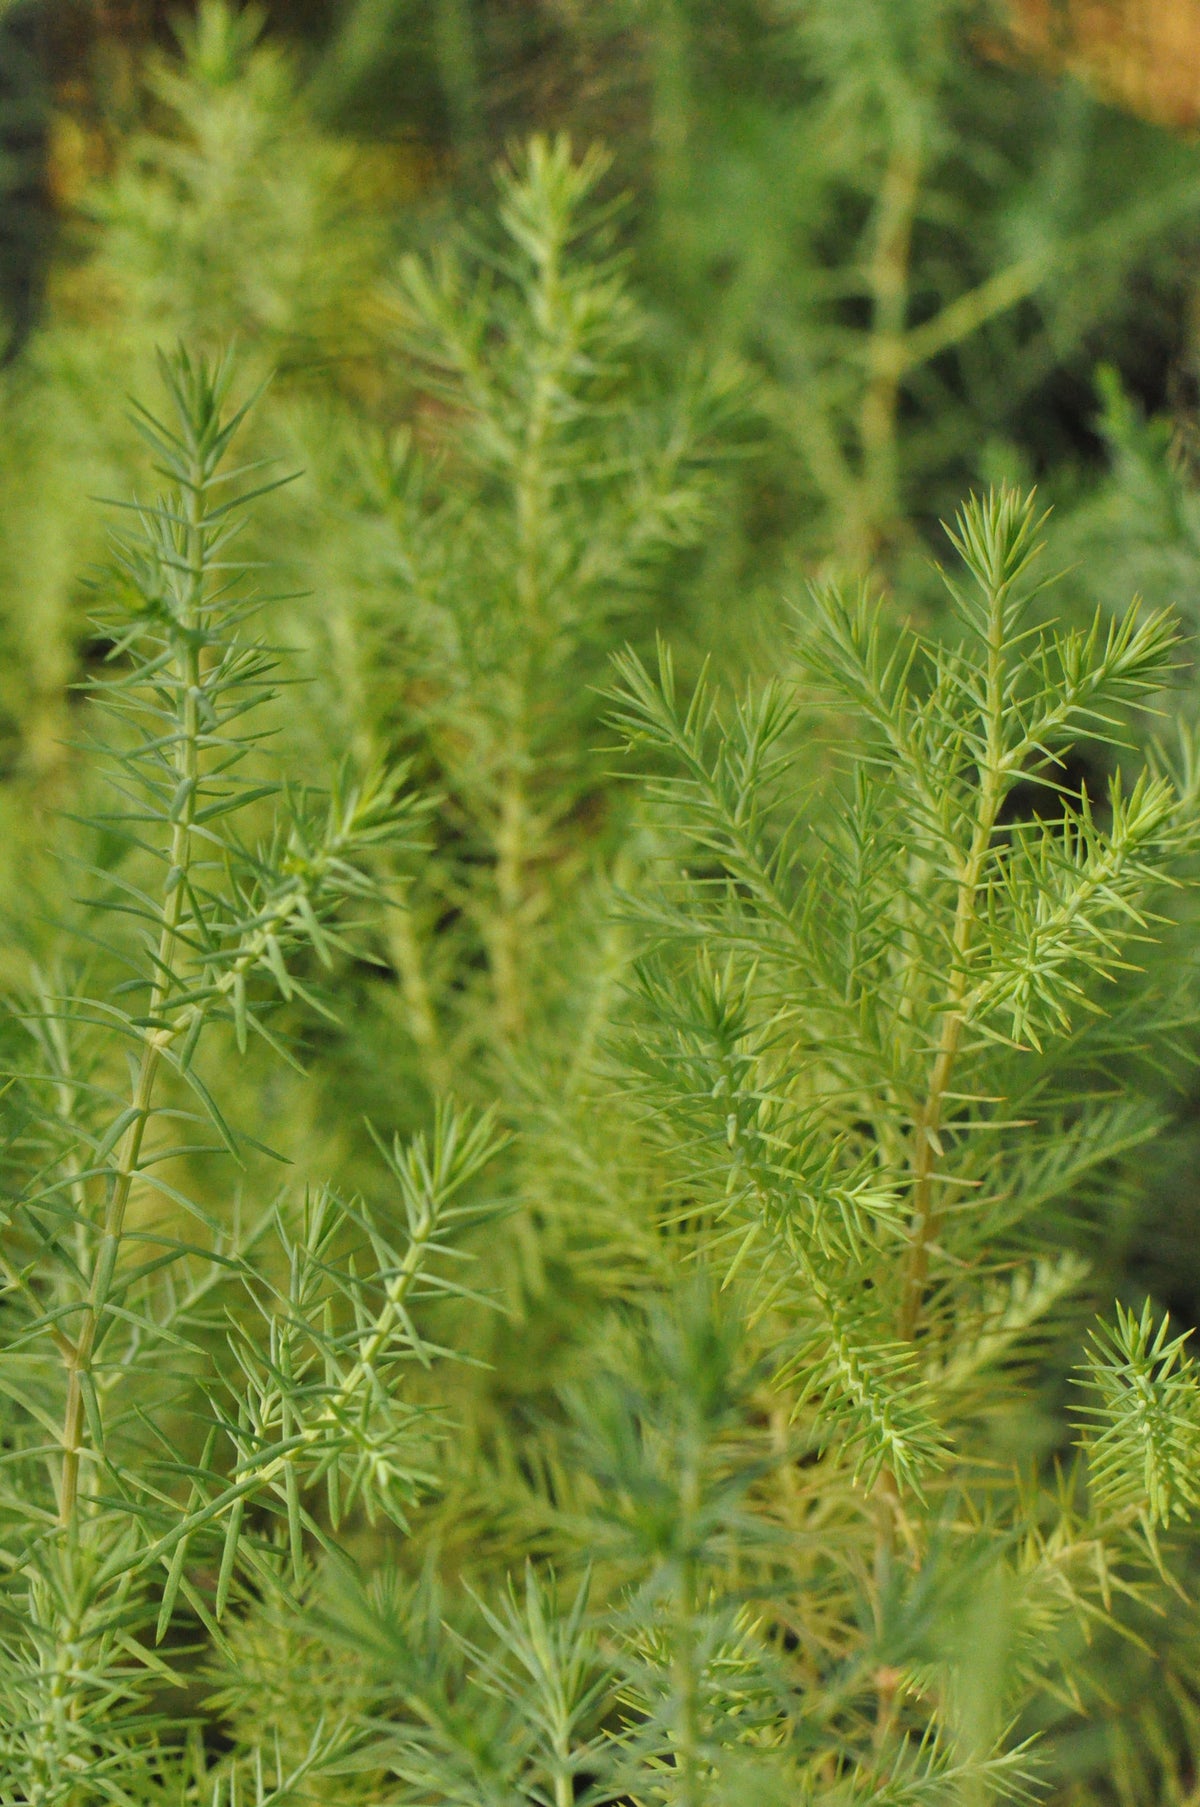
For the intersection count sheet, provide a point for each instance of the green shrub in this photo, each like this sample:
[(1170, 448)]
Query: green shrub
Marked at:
[(724, 1398), (867, 1056)]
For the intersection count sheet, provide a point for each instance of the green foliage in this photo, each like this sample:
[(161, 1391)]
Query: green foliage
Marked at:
[(859, 1010), (134, 1460), (867, 1050), (493, 572), (706, 1412), (873, 1037), (1143, 1452), (921, 247)]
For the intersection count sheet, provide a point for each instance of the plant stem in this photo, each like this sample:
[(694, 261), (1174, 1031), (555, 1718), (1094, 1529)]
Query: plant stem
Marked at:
[(52, 1753), (564, 1781), (458, 68), (887, 281), (399, 926), (925, 1137), (671, 108), (513, 833), (687, 1681), (420, 1016), (511, 845), (155, 1039)]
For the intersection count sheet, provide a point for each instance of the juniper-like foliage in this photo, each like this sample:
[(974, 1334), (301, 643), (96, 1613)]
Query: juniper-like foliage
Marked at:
[(883, 1008), (178, 1388), (486, 573), (743, 1413), (886, 1035), (784, 1526)]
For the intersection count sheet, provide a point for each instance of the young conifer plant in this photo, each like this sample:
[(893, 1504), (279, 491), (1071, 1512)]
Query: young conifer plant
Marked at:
[(888, 1034), (496, 546), (787, 1531), (180, 1382), (881, 1039), (885, 1039)]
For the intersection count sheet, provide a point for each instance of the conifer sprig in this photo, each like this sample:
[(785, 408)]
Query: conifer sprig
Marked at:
[(1142, 1434), (550, 480), (880, 1001), (873, 963), (143, 1485)]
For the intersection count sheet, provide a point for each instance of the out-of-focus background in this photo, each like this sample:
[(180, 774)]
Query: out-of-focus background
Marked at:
[(936, 245)]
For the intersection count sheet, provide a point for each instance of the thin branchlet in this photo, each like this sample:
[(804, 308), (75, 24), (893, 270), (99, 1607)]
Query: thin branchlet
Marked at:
[(874, 1034), (210, 928)]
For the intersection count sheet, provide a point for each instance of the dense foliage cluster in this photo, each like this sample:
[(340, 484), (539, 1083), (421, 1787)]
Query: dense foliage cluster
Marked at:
[(596, 1052)]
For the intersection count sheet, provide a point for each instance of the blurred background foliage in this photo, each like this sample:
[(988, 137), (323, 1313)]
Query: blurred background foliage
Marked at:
[(857, 256)]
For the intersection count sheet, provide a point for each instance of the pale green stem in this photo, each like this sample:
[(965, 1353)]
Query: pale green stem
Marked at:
[(967, 313), (512, 841), (564, 1781), (54, 1741), (670, 125), (686, 1679), (458, 66), (514, 832), (955, 1013), (888, 284), (420, 1015), (613, 958), (142, 1098)]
